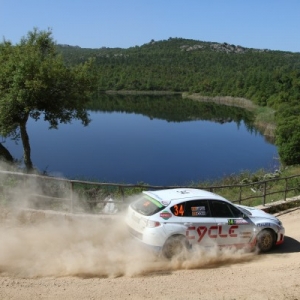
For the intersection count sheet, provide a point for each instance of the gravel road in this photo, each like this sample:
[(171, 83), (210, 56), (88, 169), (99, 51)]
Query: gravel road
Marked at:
[(60, 258)]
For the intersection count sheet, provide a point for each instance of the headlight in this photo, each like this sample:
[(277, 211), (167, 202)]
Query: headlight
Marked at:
[(279, 222)]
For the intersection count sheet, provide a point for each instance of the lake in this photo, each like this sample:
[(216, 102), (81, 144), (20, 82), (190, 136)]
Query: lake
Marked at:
[(122, 147)]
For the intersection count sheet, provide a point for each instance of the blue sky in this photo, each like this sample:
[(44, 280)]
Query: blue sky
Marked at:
[(263, 24)]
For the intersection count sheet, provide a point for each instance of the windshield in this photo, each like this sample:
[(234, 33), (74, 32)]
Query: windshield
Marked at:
[(147, 206), (245, 211)]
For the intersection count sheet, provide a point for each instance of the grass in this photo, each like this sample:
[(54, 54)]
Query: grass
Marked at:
[(224, 100), (250, 186), (264, 116), (260, 187), (265, 122)]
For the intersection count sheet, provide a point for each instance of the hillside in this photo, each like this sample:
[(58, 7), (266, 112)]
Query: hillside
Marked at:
[(176, 64), (268, 78)]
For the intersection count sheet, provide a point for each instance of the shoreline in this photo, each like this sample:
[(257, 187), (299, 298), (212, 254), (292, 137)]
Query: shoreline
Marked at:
[(262, 114)]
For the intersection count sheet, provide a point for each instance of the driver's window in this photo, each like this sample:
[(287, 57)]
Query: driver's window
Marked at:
[(222, 209), (197, 208)]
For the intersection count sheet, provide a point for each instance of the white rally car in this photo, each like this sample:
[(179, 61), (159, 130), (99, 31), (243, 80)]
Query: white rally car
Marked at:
[(173, 219)]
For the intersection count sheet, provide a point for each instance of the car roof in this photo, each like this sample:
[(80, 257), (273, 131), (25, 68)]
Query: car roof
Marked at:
[(182, 194)]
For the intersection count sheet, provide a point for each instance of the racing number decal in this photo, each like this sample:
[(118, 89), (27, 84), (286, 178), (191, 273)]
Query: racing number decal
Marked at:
[(178, 210), (213, 232)]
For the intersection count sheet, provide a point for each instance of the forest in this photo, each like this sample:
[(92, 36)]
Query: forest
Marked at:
[(268, 78)]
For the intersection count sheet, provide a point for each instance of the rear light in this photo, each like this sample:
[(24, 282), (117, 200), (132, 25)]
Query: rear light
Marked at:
[(152, 224)]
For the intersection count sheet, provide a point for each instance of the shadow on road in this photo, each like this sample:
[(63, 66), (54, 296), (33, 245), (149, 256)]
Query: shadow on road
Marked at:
[(290, 245)]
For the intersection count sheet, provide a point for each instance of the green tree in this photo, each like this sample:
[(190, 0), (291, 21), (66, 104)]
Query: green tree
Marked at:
[(288, 139), (35, 82)]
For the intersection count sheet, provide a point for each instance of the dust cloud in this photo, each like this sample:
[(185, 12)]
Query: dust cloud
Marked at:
[(43, 243), (60, 246), (39, 246)]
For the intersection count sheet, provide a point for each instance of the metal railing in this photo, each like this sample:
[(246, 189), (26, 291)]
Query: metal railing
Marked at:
[(46, 192)]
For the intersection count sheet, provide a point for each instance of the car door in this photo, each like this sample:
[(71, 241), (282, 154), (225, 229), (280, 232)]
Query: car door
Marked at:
[(234, 229), (200, 225)]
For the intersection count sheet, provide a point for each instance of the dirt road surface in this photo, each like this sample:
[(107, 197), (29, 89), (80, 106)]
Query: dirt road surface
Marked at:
[(69, 259)]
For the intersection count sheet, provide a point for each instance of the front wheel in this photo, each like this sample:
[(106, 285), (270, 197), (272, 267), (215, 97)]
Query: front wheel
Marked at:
[(265, 240), (174, 246)]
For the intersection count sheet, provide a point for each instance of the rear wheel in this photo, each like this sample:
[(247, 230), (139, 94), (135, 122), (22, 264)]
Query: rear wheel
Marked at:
[(265, 240), (174, 246)]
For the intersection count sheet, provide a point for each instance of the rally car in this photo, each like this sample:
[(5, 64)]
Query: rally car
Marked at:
[(172, 220)]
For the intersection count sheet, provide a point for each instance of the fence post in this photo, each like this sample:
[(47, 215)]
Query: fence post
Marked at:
[(285, 190), (264, 193), (71, 197), (122, 192), (240, 195)]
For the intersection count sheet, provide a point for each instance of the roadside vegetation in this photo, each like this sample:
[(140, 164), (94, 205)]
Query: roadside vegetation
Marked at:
[(83, 195)]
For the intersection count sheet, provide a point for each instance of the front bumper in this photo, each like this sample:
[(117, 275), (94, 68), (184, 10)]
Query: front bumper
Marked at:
[(280, 238)]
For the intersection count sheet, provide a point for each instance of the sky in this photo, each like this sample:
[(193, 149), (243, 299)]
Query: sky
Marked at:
[(261, 24)]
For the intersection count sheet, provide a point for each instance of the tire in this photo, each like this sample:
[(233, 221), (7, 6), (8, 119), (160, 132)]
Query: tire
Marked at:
[(265, 240), (174, 246)]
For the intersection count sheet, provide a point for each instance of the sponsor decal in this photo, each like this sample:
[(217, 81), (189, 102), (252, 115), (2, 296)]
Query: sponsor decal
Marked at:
[(246, 234), (198, 211), (263, 224), (237, 221), (198, 208), (154, 201), (212, 232), (165, 215)]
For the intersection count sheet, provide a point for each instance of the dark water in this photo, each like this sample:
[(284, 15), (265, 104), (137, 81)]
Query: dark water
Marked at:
[(132, 148)]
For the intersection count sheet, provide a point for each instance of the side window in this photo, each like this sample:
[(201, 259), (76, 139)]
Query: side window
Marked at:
[(222, 209), (195, 208)]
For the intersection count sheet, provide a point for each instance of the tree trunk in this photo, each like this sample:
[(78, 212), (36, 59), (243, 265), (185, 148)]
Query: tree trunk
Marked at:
[(4, 153), (26, 145)]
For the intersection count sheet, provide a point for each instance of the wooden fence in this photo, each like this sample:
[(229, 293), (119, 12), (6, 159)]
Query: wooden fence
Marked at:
[(46, 192)]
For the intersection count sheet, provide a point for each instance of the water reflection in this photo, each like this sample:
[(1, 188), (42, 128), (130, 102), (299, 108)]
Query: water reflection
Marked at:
[(156, 140)]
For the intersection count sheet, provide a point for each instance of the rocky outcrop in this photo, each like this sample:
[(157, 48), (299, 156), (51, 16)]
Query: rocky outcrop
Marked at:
[(228, 48), (191, 48)]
